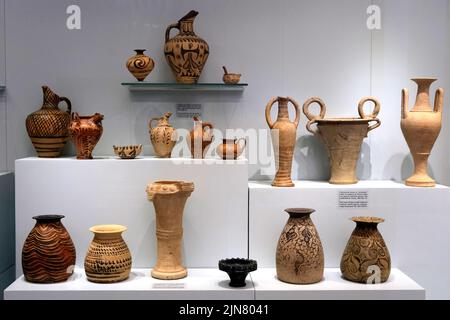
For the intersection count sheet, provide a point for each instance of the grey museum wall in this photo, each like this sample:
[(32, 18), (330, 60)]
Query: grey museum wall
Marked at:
[(289, 47)]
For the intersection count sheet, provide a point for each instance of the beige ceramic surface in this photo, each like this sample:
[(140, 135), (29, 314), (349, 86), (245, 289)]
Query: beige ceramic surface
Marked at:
[(108, 259), (47, 127), (199, 138), (284, 134), (421, 127), (342, 137), (140, 65), (366, 253), (231, 149), (169, 199), (230, 78), (299, 256), (186, 53), (128, 152), (163, 136), (86, 132)]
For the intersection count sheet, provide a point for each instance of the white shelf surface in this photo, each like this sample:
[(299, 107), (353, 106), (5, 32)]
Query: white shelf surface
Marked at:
[(200, 284), (212, 284), (334, 287), (366, 184)]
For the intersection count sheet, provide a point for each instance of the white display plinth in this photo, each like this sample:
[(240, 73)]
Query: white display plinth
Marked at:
[(212, 284), (333, 286), (412, 215), (200, 284), (112, 191)]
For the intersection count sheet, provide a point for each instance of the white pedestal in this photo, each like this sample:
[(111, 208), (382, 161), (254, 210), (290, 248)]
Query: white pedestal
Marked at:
[(200, 284), (411, 215), (334, 287), (112, 191)]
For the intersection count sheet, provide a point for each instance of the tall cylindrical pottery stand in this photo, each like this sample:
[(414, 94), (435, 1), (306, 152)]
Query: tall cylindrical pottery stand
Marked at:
[(169, 199), (421, 127), (284, 134), (342, 137)]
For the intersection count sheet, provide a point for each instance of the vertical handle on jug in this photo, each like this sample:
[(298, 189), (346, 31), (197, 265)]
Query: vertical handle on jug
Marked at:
[(170, 27), (297, 111), (439, 100), (373, 115), (405, 103), (69, 104), (268, 108), (313, 118)]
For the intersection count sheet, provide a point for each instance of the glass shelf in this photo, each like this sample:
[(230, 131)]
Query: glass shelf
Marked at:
[(152, 86)]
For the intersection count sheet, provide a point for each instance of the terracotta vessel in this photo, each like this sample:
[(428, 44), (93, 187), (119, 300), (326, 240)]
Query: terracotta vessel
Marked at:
[(342, 137), (199, 139), (284, 134), (169, 199), (230, 78), (108, 258), (231, 149), (140, 65), (299, 257), (366, 253), (237, 269), (85, 132), (421, 127), (186, 53), (128, 152), (48, 254), (47, 127), (163, 136)]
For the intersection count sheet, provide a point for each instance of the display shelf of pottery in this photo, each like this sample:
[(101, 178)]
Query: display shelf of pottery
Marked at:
[(163, 136), (342, 137), (85, 132), (231, 149), (230, 78), (421, 127), (181, 87), (366, 257), (48, 127), (237, 269), (169, 199), (108, 258), (299, 255), (48, 254), (128, 152), (284, 134), (199, 138)]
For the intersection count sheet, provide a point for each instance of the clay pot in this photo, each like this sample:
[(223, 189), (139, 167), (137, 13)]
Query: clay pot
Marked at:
[(237, 269), (163, 136), (230, 78), (366, 253), (48, 254), (230, 149), (342, 137), (186, 53), (199, 139), (169, 199), (85, 132), (140, 65), (284, 134), (47, 127), (299, 257), (421, 127), (128, 152), (108, 258)]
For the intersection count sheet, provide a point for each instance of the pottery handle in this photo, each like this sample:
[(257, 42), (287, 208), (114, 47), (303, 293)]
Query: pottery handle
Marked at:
[(75, 116), (376, 109), (150, 122), (376, 125), (405, 103), (268, 108), (69, 104), (439, 100), (169, 28), (313, 118), (297, 111), (241, 146)]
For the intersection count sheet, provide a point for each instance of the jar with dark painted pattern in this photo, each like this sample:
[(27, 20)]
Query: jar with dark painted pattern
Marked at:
[(140, 65), (299, 256), (366, 257), (48, 254), (163, 136), (108, 259)]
